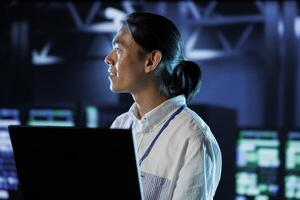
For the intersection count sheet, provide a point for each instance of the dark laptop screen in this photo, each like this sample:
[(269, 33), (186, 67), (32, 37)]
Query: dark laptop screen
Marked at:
[(75, 163)]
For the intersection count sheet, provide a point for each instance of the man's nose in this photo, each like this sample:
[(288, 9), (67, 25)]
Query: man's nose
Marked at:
[(108, 60)]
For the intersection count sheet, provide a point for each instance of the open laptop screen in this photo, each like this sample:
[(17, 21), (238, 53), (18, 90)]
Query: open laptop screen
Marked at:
[(75, 163)]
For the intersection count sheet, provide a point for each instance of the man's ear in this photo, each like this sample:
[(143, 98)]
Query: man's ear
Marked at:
[(152, 61)]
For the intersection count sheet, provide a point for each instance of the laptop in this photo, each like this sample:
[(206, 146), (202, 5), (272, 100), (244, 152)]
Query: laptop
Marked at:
[(75, 163)]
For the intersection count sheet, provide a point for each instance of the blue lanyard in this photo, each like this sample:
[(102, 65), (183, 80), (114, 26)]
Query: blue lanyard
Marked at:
[(159, 133)]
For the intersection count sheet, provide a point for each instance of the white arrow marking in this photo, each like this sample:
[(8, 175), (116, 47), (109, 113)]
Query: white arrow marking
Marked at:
[(43, 58)]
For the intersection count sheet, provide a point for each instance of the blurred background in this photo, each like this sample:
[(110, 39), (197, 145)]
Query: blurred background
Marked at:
[(52, 73)]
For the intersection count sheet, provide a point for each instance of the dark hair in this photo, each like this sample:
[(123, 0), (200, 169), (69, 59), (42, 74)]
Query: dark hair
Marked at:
[(155, 32)]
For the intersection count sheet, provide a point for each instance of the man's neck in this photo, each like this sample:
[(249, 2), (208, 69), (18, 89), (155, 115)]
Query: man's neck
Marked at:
[(147, 101)]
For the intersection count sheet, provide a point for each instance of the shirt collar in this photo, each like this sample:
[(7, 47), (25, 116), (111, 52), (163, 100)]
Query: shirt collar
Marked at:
[(157, 115)]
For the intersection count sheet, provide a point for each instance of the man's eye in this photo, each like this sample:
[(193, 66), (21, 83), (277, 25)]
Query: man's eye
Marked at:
[(117, 49)]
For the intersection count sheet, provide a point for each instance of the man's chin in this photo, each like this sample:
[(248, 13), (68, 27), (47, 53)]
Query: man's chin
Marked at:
[(115, 89), (118, 90)]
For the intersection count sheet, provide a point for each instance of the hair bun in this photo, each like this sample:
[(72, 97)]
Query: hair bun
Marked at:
[(187, 76)]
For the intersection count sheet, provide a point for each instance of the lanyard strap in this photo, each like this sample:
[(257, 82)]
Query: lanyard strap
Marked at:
[(159, 133)]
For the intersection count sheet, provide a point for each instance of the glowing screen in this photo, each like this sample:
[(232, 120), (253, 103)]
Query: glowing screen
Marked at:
[(258, 165), (8, 174)]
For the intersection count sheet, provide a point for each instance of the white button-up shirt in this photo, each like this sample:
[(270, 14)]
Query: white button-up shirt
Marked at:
[(185, 162)]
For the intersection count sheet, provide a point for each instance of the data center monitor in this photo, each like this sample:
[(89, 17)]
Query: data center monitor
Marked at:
[(8, 174), (292, 166), (257, 165), (91, 116), (102, 116), (50, 117)]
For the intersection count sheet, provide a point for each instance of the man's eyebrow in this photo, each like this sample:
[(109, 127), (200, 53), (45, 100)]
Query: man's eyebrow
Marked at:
[(116, 41)]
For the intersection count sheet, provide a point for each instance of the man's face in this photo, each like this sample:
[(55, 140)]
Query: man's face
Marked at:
[(126, 65)]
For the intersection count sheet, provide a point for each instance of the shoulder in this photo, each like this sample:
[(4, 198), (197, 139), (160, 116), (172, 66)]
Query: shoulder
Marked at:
[(194, 123), (192, 127), (200, 133), (199, 136)]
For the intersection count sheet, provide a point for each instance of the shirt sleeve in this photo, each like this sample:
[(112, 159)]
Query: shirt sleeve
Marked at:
[(200, 172)]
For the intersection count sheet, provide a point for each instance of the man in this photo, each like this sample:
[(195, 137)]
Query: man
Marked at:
[(179, 156)]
